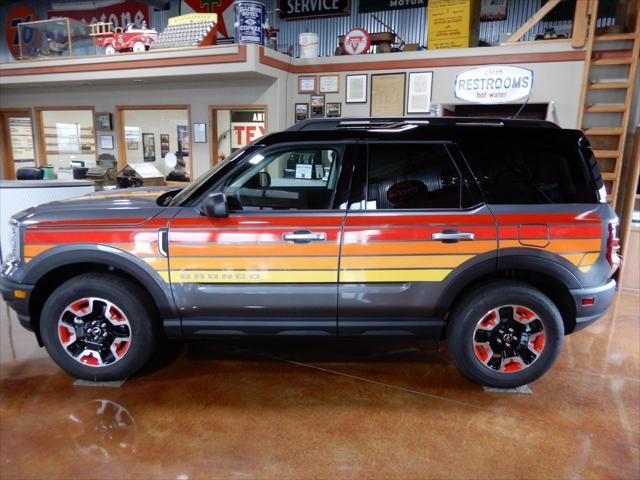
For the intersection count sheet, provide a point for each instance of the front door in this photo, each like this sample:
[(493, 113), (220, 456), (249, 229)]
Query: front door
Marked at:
[(415, 225), (271, 267)]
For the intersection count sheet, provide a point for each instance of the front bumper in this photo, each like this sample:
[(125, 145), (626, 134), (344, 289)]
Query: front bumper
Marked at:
[(602, 297), (17, 296)]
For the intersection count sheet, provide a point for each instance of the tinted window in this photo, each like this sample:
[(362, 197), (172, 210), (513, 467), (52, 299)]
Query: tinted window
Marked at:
[(410, 176), (522, 171), (295, 179)]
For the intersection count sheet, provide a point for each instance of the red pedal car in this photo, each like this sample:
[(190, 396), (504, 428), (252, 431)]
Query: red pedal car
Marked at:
[(132, 38)]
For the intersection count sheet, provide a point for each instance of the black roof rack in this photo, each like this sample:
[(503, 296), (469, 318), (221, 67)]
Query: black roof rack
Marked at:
[(405, 123)]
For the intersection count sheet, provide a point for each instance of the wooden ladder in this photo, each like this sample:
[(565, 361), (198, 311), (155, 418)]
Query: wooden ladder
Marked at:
[(599, 121)]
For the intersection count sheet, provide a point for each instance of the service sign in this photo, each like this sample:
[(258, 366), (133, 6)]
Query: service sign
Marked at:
[(298, 9), (494, 84)]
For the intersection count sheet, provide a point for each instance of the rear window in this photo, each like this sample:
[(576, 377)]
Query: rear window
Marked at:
[(538, 168)]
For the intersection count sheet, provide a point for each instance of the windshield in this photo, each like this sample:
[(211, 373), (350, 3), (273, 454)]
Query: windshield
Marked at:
[(203, 179)]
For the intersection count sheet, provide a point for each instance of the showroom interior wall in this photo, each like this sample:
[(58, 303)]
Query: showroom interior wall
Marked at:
[(199, 95)]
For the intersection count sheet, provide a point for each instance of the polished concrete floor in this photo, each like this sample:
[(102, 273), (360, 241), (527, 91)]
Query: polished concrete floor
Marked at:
[(325, 410)]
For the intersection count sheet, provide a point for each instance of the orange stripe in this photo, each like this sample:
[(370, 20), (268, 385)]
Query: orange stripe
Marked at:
[(257, 263), (259, 250), (398, 261), (390, 248), (569, 245), (139, 250)]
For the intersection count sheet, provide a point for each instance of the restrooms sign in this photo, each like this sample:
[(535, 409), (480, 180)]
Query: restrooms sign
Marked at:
[(494, 84)]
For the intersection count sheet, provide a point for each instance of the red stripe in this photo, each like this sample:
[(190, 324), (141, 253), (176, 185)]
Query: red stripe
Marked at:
[(389, 220), (547, 218), (555, 231), (330, 220), (358, 235), (74, 236), (272, 235)]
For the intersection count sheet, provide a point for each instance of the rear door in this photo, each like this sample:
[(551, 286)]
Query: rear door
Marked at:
[(271, 267), (416, 224)]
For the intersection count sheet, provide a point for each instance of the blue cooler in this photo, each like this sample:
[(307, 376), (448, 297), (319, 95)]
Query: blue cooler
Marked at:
[(250, 16)]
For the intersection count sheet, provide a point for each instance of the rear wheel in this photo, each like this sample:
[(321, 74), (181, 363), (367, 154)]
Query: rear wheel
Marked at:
[(110, 50), (98, 327), (505, 334)]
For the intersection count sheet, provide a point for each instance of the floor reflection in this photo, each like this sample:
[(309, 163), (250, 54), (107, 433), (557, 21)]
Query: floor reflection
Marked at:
[(317, 409)]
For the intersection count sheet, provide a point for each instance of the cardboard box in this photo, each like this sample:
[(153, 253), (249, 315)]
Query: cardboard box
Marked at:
[(453, 24)]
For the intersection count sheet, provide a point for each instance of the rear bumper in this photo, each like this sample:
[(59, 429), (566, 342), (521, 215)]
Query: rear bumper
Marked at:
[(19, 304), (602, 297)]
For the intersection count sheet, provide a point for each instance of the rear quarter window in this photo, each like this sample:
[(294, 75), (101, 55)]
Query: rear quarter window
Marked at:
[(538, 168)]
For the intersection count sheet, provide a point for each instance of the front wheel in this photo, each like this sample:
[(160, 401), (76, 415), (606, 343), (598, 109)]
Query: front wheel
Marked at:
[(99, 327), (139, 47), (505, 334), (110, 50)]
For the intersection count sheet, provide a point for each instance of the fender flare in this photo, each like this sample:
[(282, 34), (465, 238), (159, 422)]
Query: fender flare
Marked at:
[(66, 255)]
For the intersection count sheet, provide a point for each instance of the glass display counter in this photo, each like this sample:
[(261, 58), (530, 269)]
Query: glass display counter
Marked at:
[(55, 38)]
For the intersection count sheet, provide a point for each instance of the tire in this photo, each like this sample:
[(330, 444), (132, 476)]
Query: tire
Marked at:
[(482, 323), (109, 50), (99, 327), (139, 47)]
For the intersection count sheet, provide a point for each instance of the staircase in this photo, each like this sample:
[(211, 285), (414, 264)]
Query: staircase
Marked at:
[(611, 65)]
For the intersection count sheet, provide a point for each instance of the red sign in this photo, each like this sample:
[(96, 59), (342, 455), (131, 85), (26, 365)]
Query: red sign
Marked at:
[(224, 9), (19, 14), (244, 133), (357, 41), (119, 15)]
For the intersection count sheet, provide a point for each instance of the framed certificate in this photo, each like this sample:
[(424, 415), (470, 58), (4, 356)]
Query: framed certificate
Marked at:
[(329, 83), (199, 133), (419, 97), (387, 95), (307, 84), (356, 88), (106, 142)]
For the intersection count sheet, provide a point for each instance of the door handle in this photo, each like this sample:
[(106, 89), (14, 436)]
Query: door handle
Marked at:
[(304, 236), (452, 236)]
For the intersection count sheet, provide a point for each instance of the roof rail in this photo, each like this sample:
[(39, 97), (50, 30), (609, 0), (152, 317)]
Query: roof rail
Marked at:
[(386, 123)]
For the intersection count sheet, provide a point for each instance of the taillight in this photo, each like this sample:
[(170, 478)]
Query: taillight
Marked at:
[(613, 246)]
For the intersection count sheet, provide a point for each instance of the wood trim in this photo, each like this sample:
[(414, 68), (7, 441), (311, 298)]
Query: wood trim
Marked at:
[(120, 135), (533, 20), (574, 56), (240, 57), (629, 200), (214, 125), (580, 24), (41, 157)]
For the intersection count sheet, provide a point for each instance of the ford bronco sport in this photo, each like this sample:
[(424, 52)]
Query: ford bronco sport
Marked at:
[(492, 234)]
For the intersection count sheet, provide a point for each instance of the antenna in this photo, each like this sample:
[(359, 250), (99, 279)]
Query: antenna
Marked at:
[(521, 109)]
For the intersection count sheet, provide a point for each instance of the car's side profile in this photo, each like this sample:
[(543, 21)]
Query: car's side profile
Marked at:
[(492, 234)]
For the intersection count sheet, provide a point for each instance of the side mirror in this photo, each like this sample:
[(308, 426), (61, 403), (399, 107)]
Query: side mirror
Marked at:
[(264, 180), (215, 205)]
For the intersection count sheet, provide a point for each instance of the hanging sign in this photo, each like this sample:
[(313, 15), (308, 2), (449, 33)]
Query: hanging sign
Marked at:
[(379, 5), (494, 84), (224, 9), (298, 9), (19, 14), (357, 41), (246, 126), (119, 14)]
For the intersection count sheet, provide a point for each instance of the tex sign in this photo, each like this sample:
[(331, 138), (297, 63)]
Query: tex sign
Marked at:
[(494, 84)]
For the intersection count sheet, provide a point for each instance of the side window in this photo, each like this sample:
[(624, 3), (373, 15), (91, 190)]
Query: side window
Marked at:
[(522, 173), (294, 179), (411, 176)]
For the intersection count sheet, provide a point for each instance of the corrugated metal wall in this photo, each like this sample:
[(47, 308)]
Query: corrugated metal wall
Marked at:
[(411, 24)]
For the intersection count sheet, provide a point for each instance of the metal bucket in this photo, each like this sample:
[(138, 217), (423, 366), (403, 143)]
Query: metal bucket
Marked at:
[(309, 45), (250, 16)]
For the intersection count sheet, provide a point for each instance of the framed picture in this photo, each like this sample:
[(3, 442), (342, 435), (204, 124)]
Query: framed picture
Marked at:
[(103, 122), (356, 88), (302, 111), (334, 109), (419, 97), (164, 144), (329, 83), (132, 137), (106, 142), (387, 95), (307, 84), (199, 133), (149, 147), (317, 106), (183, 139)]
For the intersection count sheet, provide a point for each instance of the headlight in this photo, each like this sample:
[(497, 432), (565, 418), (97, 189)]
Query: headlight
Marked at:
[(15, 247)]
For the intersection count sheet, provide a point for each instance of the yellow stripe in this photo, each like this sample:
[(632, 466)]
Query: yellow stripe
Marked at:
[(364, 276), (573, 257), (590, 259), (585, 269), (382, 248), (404, 261), (252, 276)]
